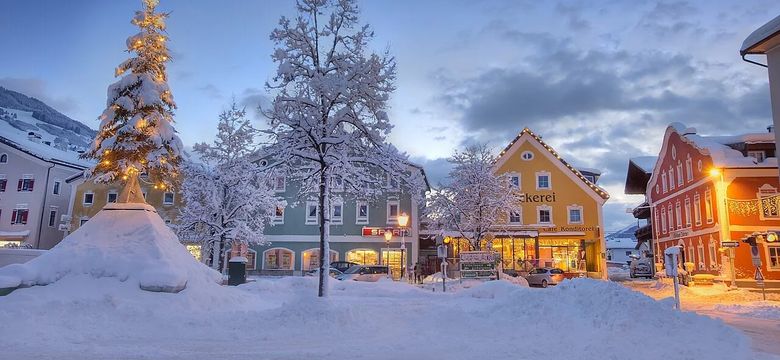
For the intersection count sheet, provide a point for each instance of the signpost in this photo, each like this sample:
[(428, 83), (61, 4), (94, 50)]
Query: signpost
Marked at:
[(478, 265), (441, 250), (671, 258), (729, 244)]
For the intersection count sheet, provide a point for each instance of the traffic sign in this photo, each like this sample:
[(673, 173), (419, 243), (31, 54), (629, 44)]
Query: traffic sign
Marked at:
[(759, 276), (729, 244)]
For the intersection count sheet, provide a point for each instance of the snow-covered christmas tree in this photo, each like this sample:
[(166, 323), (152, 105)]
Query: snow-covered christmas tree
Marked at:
[(228, 198), (328, 117), (136, 134)]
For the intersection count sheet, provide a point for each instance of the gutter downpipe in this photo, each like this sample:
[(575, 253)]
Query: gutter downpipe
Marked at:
[(43, 206), (752, 62)]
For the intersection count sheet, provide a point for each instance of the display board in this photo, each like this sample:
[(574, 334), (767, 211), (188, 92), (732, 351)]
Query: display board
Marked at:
[(478, 265)]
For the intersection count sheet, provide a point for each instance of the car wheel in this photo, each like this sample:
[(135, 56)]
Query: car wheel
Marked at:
[(544, 283)]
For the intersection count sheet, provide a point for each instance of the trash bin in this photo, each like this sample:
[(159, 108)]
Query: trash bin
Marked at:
[(237, 270)]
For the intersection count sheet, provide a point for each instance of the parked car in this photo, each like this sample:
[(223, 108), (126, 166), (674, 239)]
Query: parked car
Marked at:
[(545, 276), (342, 265), (640, 267), (333, 272), (368, 273)]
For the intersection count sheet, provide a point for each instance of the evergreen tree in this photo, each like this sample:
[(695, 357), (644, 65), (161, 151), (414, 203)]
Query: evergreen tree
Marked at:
[(136, 132)]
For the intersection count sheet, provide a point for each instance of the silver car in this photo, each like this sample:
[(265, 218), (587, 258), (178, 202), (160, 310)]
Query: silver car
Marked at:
[(369, 273), (545, 276)]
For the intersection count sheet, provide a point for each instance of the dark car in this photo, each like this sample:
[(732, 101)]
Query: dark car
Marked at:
[(342, 265)]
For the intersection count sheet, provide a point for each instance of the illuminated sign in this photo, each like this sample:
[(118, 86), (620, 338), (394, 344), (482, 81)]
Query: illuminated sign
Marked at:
[(378, 231)]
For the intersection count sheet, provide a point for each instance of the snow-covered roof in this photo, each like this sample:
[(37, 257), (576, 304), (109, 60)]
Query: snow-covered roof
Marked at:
[(646, 163), (19, 139), (621, 243), (720, 151), (763, 39), (589, 170)]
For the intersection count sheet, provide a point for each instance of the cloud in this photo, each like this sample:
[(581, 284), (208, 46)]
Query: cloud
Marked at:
[(37, 88), (437, 170), (211, 91)]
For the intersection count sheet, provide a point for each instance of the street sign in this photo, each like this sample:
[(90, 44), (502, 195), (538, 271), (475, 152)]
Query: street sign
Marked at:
[(759, 276), (755, 255), (729, 244), (760, 281)]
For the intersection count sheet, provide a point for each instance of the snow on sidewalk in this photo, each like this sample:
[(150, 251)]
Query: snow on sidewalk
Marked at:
[(80, 317)]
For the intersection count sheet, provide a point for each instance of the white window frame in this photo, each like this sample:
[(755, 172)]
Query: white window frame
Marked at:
[(759, 155), (697, 209), (83, 220), (678, 214), (701, 265), (390, 180), (362, 220), (663, 219), (393, 219), (292, 258), (549, 180), (768, 259), (55, 210), (519, 217), (663, 182), (6, 158), (539, 214), (689, 168), (708, 210), (173, 198), (112, 192), (713, 263), (767, 191), (280, 186), (568, 214), (527, 155), (680, 181), (279, 219), (688, 220), (56, 186), (333, 219), (84, 198), (512, 176), (309, 219), (670, 217), (337, 183), (671, 178)]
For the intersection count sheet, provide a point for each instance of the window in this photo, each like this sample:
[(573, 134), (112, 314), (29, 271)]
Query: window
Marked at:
[(699, 165), (697, 209), (674, 152), (759, 155), (89, 198), (168, 198), (768, 202), (514, 180), (663, 220), (279, 215), (590, 178), (3, 183), (663, 181), (657, 225), (773, 254), (575, 214), (689, 168), (544, 214), (311, 258), (362, 212), (392, 182), (4, 159), (527, 155), (280, 183), (337, 213), (26, 183), (56, 189), (679, 174), (83, 221), (700, 251), (167, 221), (678, 215), (708, 206), (111, 198), (515, 217), (671, 178), (278, 259), (392, 211), (312, 213), (52, 216), (687, 212), (670, 218), (543, 181), (19, 216), (713, 254), (337, 183), (691, 257)]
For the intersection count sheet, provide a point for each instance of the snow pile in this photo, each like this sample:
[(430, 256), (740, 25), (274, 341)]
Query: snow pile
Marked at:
[(618, 273), (129, 242), (756, 309)]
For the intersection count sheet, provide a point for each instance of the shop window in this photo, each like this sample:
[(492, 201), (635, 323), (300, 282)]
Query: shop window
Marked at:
[(112, 196), (543, 181), (361, 212), (168, 198), (768, 202), (773, 254), (337, 213), (279, 215), (89, 199), (363, 256), (697, 209), (56, 188), (19, 216), (278, 259), (687, 212), (311, 258), (544, 214), (52, 217), (312, 213), (575, 214), (708, 206), (392, 211)]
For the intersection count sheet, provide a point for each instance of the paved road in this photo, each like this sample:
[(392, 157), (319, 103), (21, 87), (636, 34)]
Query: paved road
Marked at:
[(764, 333)]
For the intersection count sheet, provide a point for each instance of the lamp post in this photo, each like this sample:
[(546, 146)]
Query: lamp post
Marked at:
[(403, 220), (388, 236), (724, 220)]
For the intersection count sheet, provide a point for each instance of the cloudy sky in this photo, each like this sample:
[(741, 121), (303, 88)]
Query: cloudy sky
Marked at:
[(599, 80)]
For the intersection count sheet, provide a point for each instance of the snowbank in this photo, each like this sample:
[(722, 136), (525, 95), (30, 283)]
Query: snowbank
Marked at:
[(129, 242), (757, 309)]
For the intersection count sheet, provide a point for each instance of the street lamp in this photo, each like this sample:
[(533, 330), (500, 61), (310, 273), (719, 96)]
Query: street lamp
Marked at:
[(388, 236), (724, 220), (403, 220)]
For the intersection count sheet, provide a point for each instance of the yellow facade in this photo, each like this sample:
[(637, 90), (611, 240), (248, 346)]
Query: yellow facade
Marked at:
[(561, 223)]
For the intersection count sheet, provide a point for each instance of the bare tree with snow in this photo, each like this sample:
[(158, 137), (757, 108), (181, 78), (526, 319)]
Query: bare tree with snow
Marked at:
[(228, 197), (136, 132), (328, 120), (477, 201)]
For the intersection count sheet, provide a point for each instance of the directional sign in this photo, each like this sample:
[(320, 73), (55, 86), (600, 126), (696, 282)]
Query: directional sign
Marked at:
[(729, 244)]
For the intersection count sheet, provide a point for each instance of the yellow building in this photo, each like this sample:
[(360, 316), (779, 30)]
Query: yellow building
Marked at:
[(561, 223)]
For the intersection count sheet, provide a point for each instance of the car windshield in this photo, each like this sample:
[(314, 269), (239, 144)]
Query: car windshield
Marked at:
[(540, 271), (353, 269)]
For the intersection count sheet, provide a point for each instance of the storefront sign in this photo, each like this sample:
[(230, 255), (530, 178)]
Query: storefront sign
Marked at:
[(569, 229), (537, 198), (681, 234), (377, 231)]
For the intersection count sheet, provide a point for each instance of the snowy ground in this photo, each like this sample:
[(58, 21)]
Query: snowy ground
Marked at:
[(741, 308), (80, 317)]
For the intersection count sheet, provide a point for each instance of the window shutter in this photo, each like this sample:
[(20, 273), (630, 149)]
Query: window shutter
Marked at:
[(19, 185), (32, 182), (13, 217), (24, 216)]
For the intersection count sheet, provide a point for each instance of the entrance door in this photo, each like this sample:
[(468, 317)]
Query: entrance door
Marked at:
[(392, 258)]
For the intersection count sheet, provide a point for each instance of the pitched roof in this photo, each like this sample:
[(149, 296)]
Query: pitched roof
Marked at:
[(719, 149), (763, 39), (597, 189)]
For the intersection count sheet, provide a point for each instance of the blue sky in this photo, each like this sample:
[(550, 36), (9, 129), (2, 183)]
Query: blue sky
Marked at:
[(599, 80)]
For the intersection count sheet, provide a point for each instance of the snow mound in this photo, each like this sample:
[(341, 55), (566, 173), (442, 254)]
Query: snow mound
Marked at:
[(757, 309), (129, 242)]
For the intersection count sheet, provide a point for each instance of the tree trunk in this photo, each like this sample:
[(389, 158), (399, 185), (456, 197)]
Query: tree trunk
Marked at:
[(324, 216), (131, 192)]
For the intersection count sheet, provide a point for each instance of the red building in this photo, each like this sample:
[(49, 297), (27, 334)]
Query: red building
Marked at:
[(689, 206)]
